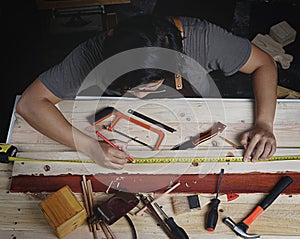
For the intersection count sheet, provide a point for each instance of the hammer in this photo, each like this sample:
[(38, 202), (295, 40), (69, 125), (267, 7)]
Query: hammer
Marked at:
[(241, 228)]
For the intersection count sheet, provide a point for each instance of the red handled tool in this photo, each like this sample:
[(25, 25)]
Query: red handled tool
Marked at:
[(109, 111), (242, 227), (153, 121), (112, 144), (279, 187), (201, 137)]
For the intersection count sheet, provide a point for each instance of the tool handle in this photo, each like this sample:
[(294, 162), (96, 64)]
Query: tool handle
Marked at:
[(208, 134), (153, 121), (177, 230), (282, 184), (201, 137), (155, 215), (212, 216)]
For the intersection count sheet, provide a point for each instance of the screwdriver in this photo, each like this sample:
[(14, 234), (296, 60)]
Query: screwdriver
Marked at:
[(155, 215), (212, 216), (175, 229)]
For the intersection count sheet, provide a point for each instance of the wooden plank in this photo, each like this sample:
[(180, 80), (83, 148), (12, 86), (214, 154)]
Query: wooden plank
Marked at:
[(177, 115), (287, 136), (279, 219), (52, 4), (22, 218), (78, 234), (283, 92), (190, 183), (185, 116)]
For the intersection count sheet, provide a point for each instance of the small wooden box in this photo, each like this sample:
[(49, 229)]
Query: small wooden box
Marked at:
[(63, 211)]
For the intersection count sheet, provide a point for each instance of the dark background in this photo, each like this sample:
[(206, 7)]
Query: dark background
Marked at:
[(31, 43)]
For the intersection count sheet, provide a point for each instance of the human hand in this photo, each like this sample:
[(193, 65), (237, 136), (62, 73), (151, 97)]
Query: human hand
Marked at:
[(259, 143), (109, 157)]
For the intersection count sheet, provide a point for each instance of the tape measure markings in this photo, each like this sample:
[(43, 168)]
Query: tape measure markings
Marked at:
[(165, 160)]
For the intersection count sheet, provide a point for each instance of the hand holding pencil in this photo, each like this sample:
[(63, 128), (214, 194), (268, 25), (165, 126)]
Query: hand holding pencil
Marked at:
[(112, 144)]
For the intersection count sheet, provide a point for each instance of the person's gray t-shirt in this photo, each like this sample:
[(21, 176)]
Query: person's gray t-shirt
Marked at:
[(214, 47), (65, 78), (211, 46)]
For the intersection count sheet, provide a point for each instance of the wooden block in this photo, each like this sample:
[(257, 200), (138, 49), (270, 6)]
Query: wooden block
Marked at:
[(283, 33), (63, 211), (273, 48), (268, 44)]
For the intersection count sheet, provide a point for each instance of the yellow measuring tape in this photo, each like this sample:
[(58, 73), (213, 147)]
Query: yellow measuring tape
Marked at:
[(8, 153), (164, 160)]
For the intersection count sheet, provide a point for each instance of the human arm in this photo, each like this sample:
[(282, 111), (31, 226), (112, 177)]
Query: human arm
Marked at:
[(259, 141), (37, 107)]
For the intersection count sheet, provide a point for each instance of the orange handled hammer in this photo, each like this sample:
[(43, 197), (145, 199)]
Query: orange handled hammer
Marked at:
[(241, 228)]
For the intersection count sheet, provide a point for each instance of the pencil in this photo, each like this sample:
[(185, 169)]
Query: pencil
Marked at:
[(231, 143), (112, 144)]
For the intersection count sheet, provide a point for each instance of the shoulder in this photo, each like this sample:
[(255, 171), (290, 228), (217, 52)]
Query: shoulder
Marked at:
[(89, 52), (193, 22), (65, 78), (93, 45), (214, 47), (202, 26), (202, 31)]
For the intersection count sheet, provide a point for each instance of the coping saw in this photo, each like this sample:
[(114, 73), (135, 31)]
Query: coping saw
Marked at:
[(109, 111)]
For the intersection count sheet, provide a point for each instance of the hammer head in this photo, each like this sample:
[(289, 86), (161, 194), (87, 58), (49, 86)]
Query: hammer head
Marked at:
[(240, 228)]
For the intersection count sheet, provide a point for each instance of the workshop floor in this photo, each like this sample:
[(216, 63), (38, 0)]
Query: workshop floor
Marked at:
[(31, 45)]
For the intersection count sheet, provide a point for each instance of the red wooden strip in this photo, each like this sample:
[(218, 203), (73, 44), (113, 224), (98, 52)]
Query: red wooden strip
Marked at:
[(232, 183)]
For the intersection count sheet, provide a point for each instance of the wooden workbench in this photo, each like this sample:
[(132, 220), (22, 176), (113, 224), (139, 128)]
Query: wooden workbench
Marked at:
[(25, 184)]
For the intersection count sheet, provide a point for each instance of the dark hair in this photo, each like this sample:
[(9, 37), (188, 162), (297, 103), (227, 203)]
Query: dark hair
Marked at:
[(142, 31)]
